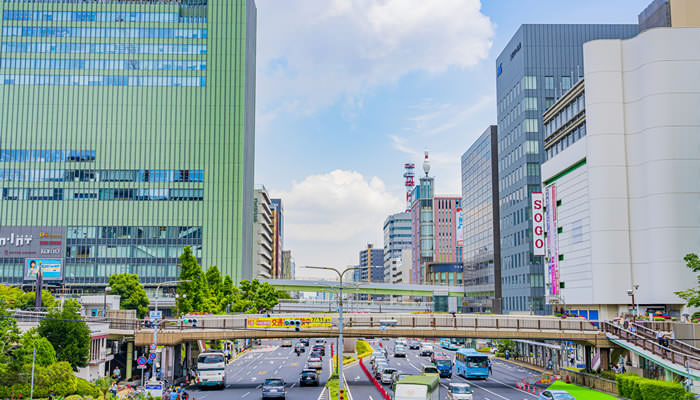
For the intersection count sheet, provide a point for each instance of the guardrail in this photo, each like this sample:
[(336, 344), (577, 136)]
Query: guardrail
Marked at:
[(651, 346), (674, 344)]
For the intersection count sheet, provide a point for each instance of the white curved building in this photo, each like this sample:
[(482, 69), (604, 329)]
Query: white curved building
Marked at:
[(630, 209)]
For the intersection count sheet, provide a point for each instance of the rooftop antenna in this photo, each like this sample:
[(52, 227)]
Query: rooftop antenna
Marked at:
[(426, 163)]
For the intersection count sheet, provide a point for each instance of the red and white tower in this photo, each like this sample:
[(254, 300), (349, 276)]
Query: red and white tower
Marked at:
[(409, 183)]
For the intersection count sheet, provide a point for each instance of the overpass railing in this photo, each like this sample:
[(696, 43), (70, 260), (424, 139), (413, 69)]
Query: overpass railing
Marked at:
[(677, 345), (652, 346)]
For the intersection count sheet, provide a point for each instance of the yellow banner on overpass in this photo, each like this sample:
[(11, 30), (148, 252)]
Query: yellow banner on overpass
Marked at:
[(289, 322)]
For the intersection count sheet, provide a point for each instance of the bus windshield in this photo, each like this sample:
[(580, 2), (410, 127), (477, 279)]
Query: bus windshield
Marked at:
[(443, 363), (210, 361), (477, 362)]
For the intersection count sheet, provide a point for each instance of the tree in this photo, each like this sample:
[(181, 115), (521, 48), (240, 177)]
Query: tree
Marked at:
[(133, 295), (30, 340), (255, 297), (11, 297), (196, 291), (691, 296), (47, 300), (68, 333), (9, 333)]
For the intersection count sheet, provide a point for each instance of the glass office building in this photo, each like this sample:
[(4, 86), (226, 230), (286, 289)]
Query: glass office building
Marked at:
[(537, 66), (482, 254), (129, 125)]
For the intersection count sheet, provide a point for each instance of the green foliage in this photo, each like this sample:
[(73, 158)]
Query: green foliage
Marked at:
[(255, 297), (197, 291), (214, 281), (74, 397), (57, 377), (103, 384), (691, 296), (133, 295), (30, 340), (637, 388), (503, 345), (363, 349), (13, 297), (608, 375), (281, 294), (85, 388), (9, 335), (68, 334)]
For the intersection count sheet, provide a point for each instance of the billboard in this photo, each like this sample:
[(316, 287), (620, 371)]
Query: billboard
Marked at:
[(32, 242), (306, 322), (552, 254), (459, 232), (538, 224), (51, 269)]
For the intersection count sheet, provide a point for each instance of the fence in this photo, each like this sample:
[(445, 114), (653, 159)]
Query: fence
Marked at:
[(588, 380)]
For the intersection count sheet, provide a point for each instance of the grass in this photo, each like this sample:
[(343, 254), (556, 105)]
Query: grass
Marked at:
[(363, 349), (332, 386), (581, 393)]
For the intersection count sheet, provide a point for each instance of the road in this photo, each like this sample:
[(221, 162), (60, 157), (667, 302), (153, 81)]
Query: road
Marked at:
[(245, 375), (500, 386)]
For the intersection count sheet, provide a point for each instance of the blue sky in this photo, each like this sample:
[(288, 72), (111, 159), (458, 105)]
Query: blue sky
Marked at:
[(350, 90)]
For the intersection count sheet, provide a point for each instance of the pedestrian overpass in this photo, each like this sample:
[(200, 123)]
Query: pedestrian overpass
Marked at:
[(367, 288), (385, 325)]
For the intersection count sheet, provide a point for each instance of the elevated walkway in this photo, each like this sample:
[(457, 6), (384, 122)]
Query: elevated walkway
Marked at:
[(367, 288), (681, 363)]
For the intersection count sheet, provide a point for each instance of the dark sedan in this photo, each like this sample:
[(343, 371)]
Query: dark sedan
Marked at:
[(308, 377)]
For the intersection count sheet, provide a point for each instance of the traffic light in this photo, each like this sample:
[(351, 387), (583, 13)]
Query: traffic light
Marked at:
[(296, 323)]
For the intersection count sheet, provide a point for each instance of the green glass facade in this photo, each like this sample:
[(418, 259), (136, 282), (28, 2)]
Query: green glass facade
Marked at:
[(132, 124)]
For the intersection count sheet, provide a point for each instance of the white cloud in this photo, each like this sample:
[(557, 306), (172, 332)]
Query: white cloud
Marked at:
[(312, 53), (331, 217)]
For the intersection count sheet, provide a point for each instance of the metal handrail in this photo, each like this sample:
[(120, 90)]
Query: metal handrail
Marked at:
[(675, 343), (652, 346)]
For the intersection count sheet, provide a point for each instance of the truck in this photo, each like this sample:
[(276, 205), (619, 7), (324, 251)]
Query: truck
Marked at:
[(415, 387)]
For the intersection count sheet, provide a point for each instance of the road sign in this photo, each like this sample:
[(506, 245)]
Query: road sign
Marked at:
[(155, 389), (141, 367), (155, 314), (153, 347), (152, 356), (141, 361), (306, 322)]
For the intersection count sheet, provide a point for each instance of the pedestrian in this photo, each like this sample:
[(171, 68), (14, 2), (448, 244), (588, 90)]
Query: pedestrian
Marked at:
[(633, 328), (660, 337), (116, 374), (490, 370), (51, 395), (507, 354), (173, 395)]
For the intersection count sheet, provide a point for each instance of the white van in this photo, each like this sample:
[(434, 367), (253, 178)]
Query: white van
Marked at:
[(426, 349)]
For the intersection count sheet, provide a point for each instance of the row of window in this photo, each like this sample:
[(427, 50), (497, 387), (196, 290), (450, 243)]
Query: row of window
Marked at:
[(101, 175), (123, 33), (128, 251), (565, 116), (102, 80), (566, 141), (131, 65), (87, 16), (134, 232), (103, 48), (103, 194), (47, 155)]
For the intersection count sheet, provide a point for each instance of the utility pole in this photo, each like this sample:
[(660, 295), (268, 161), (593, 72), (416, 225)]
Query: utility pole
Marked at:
[(341, 392), (156, 321)]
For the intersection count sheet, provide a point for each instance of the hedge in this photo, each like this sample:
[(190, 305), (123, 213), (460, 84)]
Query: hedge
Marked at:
[(637, 388), (363, 349), (57, 377), (85, 388)]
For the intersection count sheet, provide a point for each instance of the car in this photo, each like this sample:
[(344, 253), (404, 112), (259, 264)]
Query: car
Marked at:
[(315, 363), (459, 391), (321, 341), (556, 395), (378, 370), (320, 348), (316, 354), (414, 345), (273, 388), (430, 370), (299, 347), (425, 349), (399, 351), (308, 377), (286, 343), (304, 341), (436, 355), (386, 374)]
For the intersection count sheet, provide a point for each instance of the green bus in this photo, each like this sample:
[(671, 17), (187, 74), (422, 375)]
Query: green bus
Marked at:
[(415, 387)]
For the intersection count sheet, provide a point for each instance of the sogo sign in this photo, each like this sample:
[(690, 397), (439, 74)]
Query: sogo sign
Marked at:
[(538, 224)]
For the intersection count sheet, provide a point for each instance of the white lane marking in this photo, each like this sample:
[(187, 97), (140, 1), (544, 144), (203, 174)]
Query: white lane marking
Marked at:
[(292, 387), (370, 397), (254, 378), (247, 393)]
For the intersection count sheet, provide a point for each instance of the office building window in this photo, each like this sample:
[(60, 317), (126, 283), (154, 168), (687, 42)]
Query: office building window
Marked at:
[(533, 169), (530, 82), (565, 83), (103, 48), (531, 104), (531, 125), (532, 147), (548, 102), (549, 82)]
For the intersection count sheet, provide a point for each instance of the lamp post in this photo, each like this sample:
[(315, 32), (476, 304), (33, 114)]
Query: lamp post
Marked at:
[(177, 305), (631, 292), (157, 322), (340, 323), (104, 302)]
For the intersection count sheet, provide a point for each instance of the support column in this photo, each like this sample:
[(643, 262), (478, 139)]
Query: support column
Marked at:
[(177, 369), (129, 360), (604, 359), (589, 365)]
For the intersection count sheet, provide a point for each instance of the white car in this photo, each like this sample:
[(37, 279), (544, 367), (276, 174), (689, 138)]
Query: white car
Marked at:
[(387, 373), (426, 349), (459, 391)]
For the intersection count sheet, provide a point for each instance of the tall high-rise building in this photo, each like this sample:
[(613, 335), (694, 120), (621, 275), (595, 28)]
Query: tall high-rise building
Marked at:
[(422, 224), (372, 263), (482, 247), (262, 231), (670, 13), (448, 229), (288, 265), (277, 237), (131, 134), (538, 64), (397, 236)]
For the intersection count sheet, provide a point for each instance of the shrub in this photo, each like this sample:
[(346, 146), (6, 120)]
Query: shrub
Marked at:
[(501, 355), (637, 388), (363, 349), (607, 375), (74, 397), (85, 388), (484, 350)]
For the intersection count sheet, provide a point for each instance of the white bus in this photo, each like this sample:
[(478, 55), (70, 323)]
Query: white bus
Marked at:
[(211, 369)]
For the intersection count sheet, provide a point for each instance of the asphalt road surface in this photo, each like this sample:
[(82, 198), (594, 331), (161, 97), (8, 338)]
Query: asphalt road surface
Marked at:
[(244, 376), (499, 386)]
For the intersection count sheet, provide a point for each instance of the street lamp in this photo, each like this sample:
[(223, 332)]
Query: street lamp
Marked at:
[(340, 321), (177, 305), (631, 292), (104, 302), (156, 320)]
